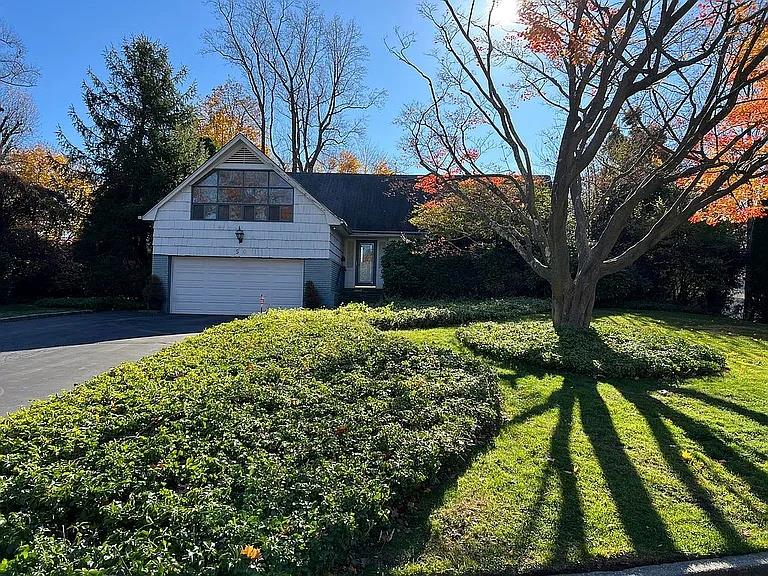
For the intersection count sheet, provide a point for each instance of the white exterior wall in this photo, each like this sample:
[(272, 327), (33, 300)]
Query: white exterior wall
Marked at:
[(176, 234), (350, 247)]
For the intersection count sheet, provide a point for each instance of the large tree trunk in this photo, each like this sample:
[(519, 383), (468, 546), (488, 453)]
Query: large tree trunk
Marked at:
[(573, 301)]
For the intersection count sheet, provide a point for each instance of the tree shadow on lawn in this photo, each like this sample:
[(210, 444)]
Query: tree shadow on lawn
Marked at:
[(641, 519), (718, 328)]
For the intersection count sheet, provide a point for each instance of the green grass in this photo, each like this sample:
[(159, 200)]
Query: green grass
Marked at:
[(601, 473), (13, 310)]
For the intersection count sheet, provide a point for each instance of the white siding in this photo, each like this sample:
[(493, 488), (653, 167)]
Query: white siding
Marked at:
[(350, 248), (176, 234)]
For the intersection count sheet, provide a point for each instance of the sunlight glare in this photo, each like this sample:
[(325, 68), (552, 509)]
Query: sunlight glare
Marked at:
[(504, 12)]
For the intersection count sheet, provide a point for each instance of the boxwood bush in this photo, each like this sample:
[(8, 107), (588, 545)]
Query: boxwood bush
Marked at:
[(615, 351), (268, 445), (408, 314)]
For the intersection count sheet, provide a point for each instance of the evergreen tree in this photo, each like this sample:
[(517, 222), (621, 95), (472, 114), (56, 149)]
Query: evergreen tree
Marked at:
[(138, 142)]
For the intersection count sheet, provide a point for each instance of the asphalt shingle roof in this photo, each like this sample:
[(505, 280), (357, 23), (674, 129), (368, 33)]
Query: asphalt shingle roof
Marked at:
[(366, 202)]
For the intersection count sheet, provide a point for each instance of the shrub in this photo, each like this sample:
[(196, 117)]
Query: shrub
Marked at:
[(407, 314), (311, 296), (295, 433), (93, 303), (614, 351), (31, 256), (696, 268), (416, 269), (154, 293), (627, 285)]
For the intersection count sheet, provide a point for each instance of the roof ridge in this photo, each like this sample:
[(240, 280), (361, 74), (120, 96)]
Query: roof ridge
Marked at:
[(357, 174)]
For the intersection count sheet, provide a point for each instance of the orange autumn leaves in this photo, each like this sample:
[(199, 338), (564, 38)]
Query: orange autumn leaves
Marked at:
[(741, 130), (572, 32), (225, 114), (251, 553), (451, 205), (561, 30)]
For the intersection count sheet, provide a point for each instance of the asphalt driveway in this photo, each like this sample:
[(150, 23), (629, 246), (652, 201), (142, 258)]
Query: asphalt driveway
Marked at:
[(43, 356)]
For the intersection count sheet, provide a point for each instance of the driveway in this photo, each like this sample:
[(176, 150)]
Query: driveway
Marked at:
[(43, 356)]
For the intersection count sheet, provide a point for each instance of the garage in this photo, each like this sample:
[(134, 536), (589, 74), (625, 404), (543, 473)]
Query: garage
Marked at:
[(234, 285)]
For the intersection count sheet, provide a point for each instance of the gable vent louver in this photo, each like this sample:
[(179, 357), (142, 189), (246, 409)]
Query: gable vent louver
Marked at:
[(242, 156)]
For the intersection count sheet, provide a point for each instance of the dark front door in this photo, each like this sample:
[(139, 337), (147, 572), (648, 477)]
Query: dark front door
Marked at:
[(365, 263)]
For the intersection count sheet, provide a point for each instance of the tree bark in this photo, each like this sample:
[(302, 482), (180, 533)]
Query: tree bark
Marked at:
[(573, 301)]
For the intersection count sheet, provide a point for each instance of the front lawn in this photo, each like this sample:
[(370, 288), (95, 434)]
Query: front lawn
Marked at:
[(15, 310), (55, 305), (603, 472), (302, 442)]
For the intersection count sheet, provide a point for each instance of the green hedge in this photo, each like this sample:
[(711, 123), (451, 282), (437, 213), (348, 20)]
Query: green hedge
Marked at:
[(417, 269), (407, 314), (93, 303), (615, 351), (696, 268), (295, 433)]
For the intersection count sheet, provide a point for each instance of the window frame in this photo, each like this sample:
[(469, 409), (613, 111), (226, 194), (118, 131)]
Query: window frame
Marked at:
[(276, 210), (374, 270)]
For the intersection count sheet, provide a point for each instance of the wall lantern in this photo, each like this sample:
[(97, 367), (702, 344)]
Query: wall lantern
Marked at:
[(239, 235)]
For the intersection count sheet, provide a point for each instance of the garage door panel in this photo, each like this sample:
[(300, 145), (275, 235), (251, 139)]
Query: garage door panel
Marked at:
[(234, 285)]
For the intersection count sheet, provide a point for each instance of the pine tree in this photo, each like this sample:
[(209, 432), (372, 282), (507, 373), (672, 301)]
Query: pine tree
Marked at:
[(138, 142)]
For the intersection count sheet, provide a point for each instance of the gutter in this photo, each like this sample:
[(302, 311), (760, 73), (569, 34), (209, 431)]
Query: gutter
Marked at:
[(371, 233)]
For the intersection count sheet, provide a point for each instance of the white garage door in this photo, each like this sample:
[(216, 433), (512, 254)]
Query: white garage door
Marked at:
[(234, 285)]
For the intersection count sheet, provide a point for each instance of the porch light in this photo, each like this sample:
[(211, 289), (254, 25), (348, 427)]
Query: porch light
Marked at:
[(239, 235)]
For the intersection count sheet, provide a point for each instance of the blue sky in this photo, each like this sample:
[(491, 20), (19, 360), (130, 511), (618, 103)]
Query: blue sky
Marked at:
[(65, 38)]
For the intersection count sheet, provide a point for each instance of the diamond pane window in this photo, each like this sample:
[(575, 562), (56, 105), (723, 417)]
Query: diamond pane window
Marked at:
[(230, 177), (209, 212)]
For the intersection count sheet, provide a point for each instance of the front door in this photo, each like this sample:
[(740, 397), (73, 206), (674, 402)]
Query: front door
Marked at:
[(365, 263)]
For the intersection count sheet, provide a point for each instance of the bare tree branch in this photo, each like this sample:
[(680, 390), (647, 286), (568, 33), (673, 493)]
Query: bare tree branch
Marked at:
[(677, 69), (306, 72)]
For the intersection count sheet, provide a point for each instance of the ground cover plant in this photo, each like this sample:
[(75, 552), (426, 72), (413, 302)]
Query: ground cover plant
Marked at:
[(609, 349), (401, 314), (268, 445), (602, 472)]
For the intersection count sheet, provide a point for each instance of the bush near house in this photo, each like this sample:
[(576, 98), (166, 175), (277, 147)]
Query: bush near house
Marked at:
[(407, 314), (311, 296), (695, 269), (268, 445), (615, 351), (415, 269), (154, 293)]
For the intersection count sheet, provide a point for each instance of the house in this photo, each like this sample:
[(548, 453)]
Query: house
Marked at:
[(240, 234)]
